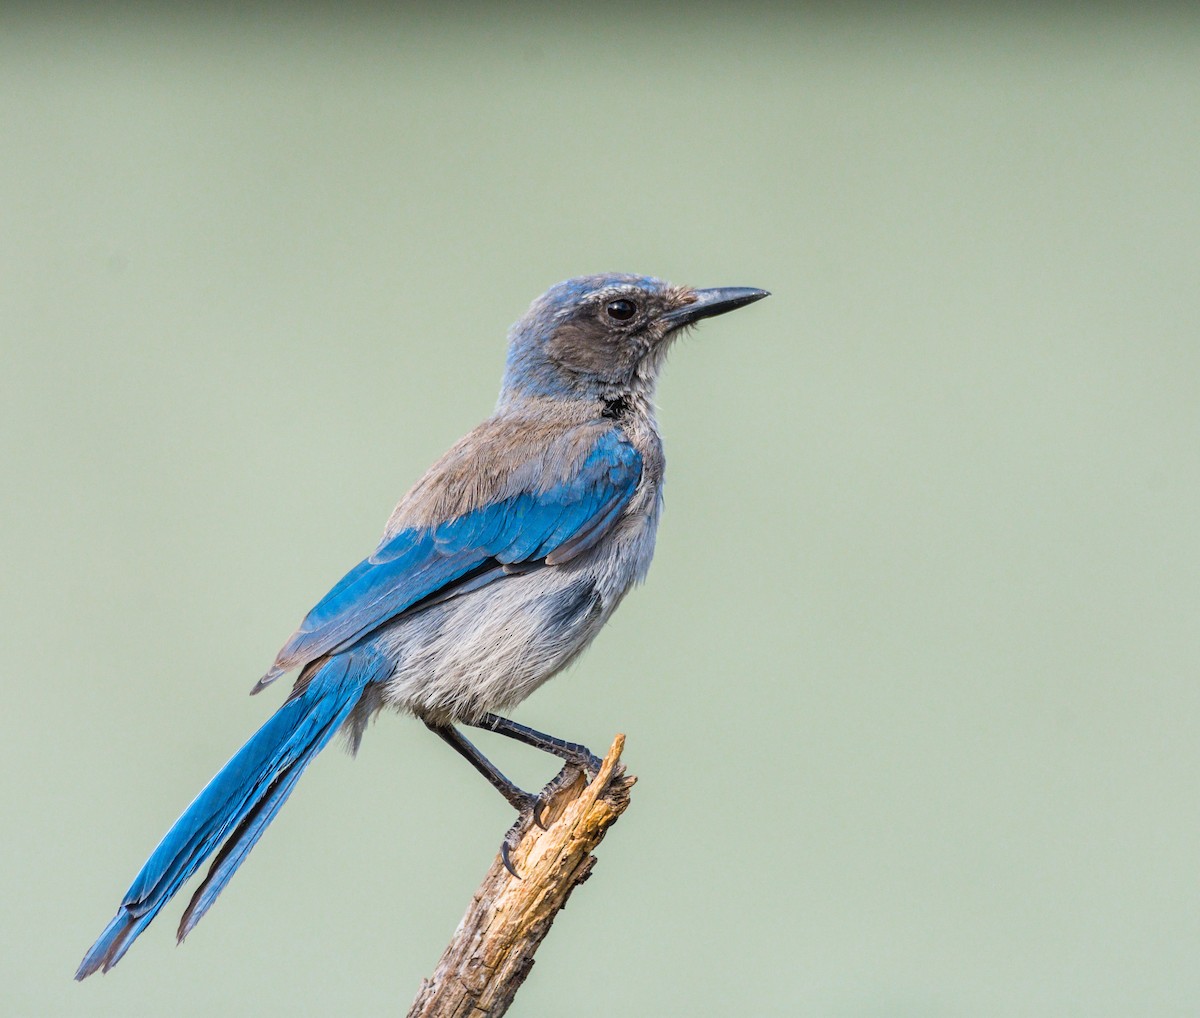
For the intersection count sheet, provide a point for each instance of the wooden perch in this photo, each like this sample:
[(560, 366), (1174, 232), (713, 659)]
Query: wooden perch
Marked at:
[(492, 950)]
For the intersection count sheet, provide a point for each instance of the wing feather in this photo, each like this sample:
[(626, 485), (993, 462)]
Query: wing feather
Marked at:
[(423, 565)]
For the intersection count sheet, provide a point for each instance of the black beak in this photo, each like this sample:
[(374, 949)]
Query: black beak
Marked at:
[(713, 302)]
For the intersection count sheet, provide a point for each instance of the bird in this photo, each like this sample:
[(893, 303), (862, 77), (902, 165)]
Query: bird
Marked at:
[(494, 572)]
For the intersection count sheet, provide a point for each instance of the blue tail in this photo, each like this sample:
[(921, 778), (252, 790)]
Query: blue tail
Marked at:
[(237, 805)]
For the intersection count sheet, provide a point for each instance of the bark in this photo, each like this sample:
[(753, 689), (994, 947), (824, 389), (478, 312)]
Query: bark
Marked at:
[(492, 950)]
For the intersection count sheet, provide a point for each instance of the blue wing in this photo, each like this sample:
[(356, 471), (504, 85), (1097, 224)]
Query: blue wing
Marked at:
[(418, 566)]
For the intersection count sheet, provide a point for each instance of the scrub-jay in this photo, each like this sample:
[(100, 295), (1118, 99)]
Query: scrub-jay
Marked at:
[(494, 573)]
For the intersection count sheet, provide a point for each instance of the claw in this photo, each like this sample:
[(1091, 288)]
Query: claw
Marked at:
[(507, 861), (511, 837), (532, 808)]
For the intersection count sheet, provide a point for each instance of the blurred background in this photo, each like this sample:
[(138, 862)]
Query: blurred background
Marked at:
[(912, 689)]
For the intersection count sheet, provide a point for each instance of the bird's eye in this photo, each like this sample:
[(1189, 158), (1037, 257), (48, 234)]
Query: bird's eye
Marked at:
[(621, 310)]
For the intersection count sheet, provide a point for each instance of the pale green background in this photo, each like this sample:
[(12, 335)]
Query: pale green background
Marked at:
[(913, 687)]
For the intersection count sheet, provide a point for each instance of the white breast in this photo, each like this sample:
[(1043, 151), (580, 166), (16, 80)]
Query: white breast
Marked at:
[(489, 649)]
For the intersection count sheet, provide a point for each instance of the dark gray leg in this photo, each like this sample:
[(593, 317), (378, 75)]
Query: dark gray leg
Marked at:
[(516, 797), (520, 800), (571, 752)]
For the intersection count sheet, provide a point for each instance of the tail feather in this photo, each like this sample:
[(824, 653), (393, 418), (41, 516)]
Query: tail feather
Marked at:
[(237, 847), (236, 806)]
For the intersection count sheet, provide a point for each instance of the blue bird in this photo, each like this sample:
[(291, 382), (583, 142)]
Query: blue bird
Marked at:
[(494, 573)]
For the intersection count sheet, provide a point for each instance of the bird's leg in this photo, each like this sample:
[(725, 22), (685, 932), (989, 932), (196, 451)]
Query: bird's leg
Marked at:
[(518, 798), (571, 752), (524, 803)]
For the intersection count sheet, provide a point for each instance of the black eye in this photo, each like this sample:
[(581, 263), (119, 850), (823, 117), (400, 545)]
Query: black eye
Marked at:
[(621, 310)]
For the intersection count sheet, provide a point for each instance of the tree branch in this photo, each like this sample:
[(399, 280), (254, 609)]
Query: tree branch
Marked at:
[(492, 950)]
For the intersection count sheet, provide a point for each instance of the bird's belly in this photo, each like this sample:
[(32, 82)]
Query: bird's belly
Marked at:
[(489, 649)]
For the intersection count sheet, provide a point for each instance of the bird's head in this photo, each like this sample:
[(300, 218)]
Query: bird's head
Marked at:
[(598, 336)]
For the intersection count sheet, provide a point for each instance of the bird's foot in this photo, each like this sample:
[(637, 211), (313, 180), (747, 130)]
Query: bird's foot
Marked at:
[(511, 839), (529, 811), (591, 765), (532, 808), (569, 772), (577, 759)]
